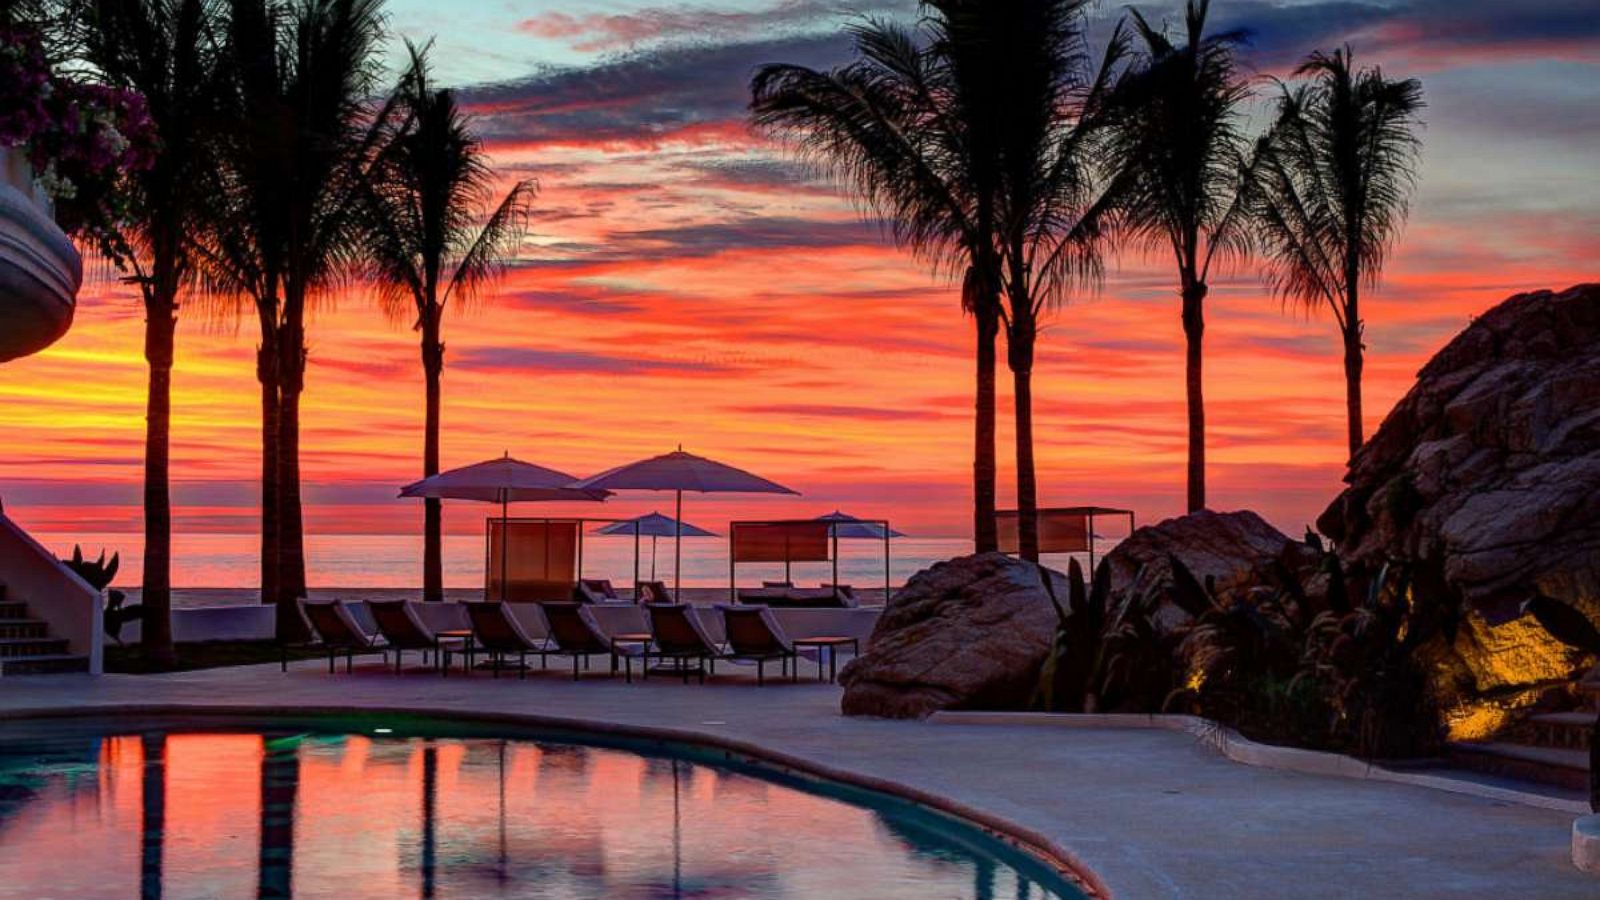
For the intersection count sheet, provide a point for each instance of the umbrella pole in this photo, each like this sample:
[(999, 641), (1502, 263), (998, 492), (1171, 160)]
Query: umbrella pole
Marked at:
[(652, 557), (636, 561), (677, 552)]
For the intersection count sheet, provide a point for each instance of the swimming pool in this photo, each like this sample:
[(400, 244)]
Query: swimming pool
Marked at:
[(409, 806)]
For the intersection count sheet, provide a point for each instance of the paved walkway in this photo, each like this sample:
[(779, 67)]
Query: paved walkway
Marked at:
[(1153, 813)]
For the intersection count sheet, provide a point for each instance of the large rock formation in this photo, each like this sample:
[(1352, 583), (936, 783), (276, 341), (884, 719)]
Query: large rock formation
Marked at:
[(970, 633), (1490, 465), (1230, 549)]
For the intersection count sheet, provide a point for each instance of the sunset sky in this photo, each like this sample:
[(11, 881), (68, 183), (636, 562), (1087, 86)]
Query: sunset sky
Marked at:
[(687, 283)]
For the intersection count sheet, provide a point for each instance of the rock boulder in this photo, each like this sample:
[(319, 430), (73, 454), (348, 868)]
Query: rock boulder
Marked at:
[(1231, 548), (1490, 465), (969, 633)]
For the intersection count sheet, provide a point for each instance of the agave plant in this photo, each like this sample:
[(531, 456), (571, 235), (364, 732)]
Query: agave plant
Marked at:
[(1101, 658)]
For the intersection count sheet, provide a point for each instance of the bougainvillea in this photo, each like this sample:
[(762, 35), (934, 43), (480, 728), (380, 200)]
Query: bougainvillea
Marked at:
[(81, 138)]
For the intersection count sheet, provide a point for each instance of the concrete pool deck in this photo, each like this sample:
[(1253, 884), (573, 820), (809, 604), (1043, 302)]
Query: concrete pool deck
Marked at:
[(1152, 813)]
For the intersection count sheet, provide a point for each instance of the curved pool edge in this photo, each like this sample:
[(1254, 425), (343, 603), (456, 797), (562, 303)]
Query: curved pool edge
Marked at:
[(1026, 840)]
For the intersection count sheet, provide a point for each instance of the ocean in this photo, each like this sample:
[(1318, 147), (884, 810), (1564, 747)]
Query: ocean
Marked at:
[(225, 565), (335, 561)]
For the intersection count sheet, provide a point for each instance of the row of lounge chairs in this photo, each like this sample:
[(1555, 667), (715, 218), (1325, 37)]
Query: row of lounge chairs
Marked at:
[(676, 636)]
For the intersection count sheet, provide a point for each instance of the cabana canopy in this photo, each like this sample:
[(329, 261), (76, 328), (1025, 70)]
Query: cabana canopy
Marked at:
[(801, 540), (1062, 529)]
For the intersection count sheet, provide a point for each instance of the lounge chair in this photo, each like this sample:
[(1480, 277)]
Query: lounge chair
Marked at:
[(496, 631), (676, 634), (573, 633), (334, 629), (596, 590), (404, 629), (654, 592), (754, 634)]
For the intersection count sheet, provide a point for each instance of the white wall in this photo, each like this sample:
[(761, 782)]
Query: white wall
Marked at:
[(53, 592)]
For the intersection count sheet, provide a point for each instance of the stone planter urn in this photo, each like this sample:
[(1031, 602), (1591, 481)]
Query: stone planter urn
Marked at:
[(40, 270)]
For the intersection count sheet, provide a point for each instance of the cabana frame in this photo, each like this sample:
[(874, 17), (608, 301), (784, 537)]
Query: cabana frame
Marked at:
[(1006, 520), (833, 556), (582, 524)]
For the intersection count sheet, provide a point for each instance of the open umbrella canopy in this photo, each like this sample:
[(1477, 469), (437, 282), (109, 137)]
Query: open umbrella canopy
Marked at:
[(654, 525), (503, 480), (680, 471), (849, 527)]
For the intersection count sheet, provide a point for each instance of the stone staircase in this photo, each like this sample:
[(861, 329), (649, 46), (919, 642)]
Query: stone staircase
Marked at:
[(26, 645), (1550, 748)]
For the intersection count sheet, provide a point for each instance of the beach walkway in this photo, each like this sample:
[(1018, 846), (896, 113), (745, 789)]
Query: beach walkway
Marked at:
[(1152, 813)]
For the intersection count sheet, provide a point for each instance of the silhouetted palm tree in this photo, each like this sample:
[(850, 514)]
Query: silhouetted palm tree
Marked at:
[(1044, 103), (286, 219), (432, 191), (167, 51), (1336, 173), (1178, 136), (896, 126)]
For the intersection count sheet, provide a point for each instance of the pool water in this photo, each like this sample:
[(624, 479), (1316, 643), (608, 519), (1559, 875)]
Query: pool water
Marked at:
[(404, 807)]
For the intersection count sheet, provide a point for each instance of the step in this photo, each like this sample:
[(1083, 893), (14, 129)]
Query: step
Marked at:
[(1564, 730), (1576, 719), (44, 664), (13, 609), (1550, 765), (24, 628), (16, 648)]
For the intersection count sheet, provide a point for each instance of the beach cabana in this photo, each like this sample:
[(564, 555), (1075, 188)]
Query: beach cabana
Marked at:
[(653, 525), (679, 472), (1062, 529), (802, 540), (503, 481)]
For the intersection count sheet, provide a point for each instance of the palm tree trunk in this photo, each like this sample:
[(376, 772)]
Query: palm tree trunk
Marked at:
[(985, 531), (267, 374), (161, 323), (1194, 328), (1353, 363), (280, 789), (152, 814), (1023, 333), (432, 527), (291, 536)]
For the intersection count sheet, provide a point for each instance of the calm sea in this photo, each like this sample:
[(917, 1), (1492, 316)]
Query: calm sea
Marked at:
[(395, 561)]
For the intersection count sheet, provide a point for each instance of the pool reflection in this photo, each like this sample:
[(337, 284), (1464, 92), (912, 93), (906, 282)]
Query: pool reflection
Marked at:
[(283, 813)]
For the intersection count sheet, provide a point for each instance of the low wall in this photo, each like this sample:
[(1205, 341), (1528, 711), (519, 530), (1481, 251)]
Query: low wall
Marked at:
[(255, 621), (53, 592)]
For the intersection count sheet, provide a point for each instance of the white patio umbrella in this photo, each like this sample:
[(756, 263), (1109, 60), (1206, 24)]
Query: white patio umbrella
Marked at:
[(503, 481), (843, 526), (678, 472), (653, 525), (848, 527)]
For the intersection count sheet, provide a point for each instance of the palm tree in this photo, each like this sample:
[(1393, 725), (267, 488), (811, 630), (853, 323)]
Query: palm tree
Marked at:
[(1335, 180), (165, 50), (433, 188), (1044, 104), (284, 226), (1178, 137), (896, 126)]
